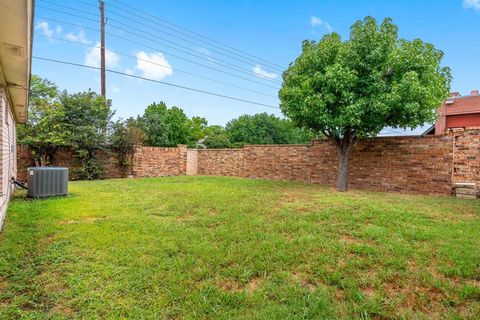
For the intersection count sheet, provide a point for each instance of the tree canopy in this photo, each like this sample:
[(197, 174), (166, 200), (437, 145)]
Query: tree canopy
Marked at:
[(263, 128), (351, 89), (45, 130), (169, 127)]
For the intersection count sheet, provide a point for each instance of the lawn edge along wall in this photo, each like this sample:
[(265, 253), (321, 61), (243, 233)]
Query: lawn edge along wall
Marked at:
[(407, 164)]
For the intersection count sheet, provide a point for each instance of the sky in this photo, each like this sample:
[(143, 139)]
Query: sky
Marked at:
[(159, 46)]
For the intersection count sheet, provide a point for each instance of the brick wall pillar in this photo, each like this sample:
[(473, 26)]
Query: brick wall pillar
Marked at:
[(466, 155), (182, 159)]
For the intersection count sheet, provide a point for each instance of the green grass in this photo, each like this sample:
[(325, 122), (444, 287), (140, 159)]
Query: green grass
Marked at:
[(227, 248)]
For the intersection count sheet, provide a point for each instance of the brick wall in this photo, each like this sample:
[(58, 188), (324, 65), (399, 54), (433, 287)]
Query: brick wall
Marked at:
[(425, 165), (147, 162), (466, 156), (221, 162), (400, 164), (403, 164), (65, 158), (159, 161)]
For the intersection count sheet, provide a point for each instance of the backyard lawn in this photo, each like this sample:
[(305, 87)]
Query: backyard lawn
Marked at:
[(229, 248)]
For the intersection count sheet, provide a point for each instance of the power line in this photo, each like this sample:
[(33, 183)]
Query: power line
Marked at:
[(214, 43), (159, 64), (71, 8), (215, 61), (157, 81), (67, 13), (188, 33), (219, 62), (153, 38), (124, 17), (199, 55), (157, 49)]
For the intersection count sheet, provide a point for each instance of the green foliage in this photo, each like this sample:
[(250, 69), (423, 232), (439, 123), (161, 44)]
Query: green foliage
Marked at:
[(124, 136), (216, 138), (45, 131), (263, 128), (197, 130), (363, 84), (153, 124), (352, 89), (169, 127), (178, 126), (86, 116)]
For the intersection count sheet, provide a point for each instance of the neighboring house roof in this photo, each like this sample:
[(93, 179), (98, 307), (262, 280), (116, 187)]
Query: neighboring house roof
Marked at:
[(430, 130), (454, 105), (16, 34)]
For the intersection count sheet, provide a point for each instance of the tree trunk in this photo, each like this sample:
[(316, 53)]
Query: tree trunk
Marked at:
[(343, 154), (43, 159)]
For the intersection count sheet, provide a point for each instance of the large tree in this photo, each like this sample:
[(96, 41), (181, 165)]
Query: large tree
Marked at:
[(349, 90), (86, 116), (44, 131)]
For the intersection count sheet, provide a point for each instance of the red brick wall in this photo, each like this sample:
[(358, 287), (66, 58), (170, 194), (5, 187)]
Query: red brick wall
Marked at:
[(159, 161), (147, 162), (65, 158), (426, 165), (220, 162), (401, 164), (466, 158)]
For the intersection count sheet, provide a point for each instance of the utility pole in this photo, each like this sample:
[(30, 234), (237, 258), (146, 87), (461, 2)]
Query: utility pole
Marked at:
[(102, 48)]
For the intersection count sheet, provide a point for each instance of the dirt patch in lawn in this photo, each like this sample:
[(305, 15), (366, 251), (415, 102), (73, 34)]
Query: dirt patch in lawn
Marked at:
[(86, 220), (62, 310), (302, 201), (234, 286), (253, 284), (368, 292)]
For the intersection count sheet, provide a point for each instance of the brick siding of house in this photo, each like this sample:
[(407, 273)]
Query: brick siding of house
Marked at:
[(466, 105), (8, 163)]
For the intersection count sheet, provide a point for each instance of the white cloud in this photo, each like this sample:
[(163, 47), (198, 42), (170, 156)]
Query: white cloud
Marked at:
[(79, 37), (92, 57), (261, 73), (318, 22), (45, 29), (474, 4), (159, 69)]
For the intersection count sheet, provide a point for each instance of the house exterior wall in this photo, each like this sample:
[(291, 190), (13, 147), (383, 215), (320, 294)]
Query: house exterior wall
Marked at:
[(8, 163), (467, 105)]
